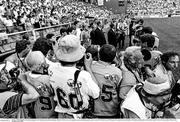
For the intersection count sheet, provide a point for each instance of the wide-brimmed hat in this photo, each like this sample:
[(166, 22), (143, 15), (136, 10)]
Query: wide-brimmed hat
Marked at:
[(156, 85), (69, 49)]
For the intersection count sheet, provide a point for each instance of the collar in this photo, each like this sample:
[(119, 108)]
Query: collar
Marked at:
[(33, 75), (163, 69), (104, 63)]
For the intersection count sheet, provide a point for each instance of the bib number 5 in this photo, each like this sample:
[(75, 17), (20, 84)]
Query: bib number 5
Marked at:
[(106, 94)]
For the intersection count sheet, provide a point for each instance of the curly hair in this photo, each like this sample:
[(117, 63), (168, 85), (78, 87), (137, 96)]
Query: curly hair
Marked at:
[(150, 39), (43, 45), (21, 45)]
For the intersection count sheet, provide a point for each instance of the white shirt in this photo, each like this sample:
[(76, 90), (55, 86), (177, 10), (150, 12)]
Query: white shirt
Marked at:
[(78, 33), (160, 71), (61, 80)]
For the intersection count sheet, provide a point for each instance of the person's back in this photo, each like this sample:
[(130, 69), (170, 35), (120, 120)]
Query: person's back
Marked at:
[(64, 88), (44, 106), (39, 78), (108, 79), (71, 96)]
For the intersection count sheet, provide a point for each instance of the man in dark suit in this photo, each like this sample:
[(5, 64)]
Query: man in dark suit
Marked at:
[(112, 35), (99, 35)]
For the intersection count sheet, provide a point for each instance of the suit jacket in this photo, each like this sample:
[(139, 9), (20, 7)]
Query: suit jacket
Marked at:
[(99, 37), (92, 37), (112, 37)]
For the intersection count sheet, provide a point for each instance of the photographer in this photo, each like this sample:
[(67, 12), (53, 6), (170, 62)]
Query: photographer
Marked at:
[(15, 92), (137, 29)]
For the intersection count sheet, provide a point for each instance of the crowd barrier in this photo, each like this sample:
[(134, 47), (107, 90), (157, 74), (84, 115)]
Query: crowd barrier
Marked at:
[(8, 41)]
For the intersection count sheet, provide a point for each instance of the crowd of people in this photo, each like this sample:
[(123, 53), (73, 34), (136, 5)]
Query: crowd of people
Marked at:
[(19, 15), (152, 7), (86, 71)]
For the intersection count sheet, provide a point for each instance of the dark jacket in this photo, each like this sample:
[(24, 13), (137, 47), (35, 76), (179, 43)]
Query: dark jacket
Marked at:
[(112, 37), (99, 37)]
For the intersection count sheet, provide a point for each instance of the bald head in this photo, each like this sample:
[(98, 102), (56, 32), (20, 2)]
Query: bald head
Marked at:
[(34, 60)]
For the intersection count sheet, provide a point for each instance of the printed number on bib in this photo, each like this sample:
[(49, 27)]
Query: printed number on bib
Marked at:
[(67, 101), (46, 101), (106, 94)]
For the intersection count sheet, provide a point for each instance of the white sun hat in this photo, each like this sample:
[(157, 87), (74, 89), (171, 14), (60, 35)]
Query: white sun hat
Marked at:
[(69, 49)]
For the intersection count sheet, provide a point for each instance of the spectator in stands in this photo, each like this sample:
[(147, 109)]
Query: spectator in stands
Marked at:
[(108, 77)]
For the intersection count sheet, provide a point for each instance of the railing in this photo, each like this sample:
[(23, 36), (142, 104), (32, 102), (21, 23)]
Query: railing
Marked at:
[(8, 41)]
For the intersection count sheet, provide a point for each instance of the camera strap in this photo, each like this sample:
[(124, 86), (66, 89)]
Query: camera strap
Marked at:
[(77, 91)]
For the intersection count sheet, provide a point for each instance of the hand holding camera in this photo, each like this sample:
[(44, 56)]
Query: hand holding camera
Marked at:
[(88, 60)]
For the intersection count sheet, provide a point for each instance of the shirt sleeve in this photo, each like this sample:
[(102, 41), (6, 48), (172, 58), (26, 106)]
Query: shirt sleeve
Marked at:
[(92, 88), (128, 79), (129, 114), (12, 104)]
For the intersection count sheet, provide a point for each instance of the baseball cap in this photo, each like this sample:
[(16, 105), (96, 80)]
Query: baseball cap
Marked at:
[(156, 85), (69, 49)]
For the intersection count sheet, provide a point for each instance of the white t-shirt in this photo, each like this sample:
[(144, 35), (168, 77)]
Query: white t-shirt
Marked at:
[(62, 82)]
